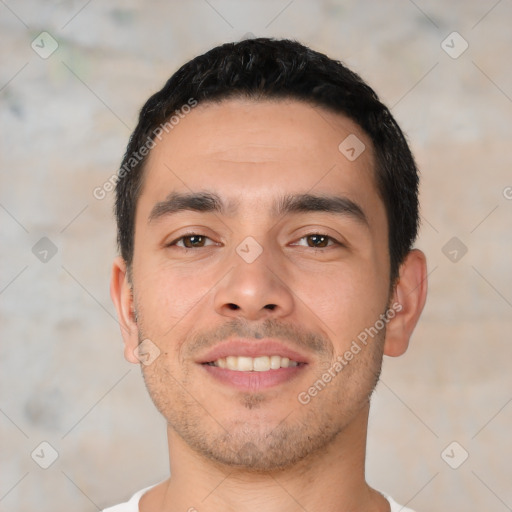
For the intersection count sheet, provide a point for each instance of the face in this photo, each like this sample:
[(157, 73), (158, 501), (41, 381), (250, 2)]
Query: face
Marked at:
[(261, 255)]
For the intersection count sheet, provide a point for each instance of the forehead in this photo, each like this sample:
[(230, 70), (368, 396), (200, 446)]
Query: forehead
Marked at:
[(241, 129), (250, 151)]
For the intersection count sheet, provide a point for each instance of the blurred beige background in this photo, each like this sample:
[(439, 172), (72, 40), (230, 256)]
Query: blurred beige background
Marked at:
[(66, 117)]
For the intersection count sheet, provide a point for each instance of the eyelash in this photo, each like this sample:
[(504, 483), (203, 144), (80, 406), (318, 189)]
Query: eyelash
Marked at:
[(189, 235)]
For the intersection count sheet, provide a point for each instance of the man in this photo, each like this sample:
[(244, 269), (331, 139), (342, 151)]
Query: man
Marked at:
[(266, 208)]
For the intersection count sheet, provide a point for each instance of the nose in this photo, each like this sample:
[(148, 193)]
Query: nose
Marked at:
[(255, 290)]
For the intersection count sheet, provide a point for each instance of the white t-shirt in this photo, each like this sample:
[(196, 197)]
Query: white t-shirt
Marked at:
[(133, 504)]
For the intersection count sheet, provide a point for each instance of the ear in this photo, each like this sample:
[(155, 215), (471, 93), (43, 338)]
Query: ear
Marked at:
[(410, 293), (122, 297)]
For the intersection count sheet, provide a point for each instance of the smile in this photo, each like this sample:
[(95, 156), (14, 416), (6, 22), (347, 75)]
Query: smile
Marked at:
[(253, 364)]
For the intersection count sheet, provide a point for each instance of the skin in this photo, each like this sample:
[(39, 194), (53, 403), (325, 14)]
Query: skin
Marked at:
[(262, 449)]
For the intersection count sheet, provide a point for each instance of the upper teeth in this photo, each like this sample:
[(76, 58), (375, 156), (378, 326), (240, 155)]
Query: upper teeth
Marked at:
[(256, 364)]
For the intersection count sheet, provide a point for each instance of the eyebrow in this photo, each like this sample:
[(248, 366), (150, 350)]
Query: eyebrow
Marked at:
[(209, 202)]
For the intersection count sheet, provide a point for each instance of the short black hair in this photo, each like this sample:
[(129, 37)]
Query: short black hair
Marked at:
[(266, 68)]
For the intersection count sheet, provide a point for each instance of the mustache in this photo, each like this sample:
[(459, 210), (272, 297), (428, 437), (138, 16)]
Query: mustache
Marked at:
[(269, 328)]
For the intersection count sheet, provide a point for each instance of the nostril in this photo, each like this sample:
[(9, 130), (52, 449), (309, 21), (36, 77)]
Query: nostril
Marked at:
[(270, 306), (233, 306)]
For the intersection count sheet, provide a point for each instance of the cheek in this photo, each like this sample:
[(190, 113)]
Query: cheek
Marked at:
[(346, 299), (166, 295)]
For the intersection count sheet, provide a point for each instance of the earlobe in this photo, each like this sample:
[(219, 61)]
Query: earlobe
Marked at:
[(122, 297), (410, 292)]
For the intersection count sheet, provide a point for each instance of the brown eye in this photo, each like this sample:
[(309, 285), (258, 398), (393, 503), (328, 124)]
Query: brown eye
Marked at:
[(318, 240), (192, 241)]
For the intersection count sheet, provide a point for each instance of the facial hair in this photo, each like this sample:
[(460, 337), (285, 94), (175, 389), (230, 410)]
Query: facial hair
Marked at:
[(258, 444)]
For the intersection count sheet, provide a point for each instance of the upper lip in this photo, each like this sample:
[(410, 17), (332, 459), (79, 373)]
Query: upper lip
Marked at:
[(246, 347)]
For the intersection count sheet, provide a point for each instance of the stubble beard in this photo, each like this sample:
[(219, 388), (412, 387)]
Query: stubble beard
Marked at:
[(304, 431)]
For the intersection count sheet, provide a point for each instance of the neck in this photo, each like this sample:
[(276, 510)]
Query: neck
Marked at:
[(330, 480)]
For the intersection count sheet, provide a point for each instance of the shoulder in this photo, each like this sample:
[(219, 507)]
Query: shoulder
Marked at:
[(129, 506), (395, 507)]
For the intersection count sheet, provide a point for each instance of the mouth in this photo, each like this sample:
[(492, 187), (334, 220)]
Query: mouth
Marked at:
[(253, 364)]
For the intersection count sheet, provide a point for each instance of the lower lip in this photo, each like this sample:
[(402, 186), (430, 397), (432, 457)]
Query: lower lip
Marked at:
[(254, 381)]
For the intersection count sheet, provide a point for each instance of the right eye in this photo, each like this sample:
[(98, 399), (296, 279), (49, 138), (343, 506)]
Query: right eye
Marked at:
[(191, 241)]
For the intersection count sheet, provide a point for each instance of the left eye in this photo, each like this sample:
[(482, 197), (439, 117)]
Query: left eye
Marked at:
[(317, 240)]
